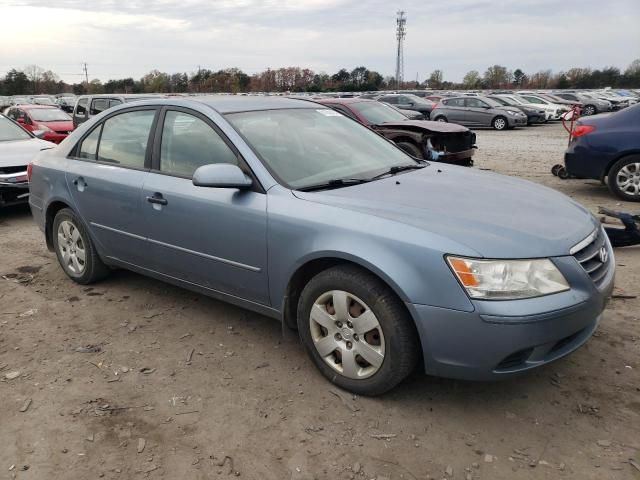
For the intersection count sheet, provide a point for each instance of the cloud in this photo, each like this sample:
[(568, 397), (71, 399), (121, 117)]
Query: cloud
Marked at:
[(119, 39)]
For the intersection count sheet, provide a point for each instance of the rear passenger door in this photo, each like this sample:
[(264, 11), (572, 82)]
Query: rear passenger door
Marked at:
[(455, 109), (105, 175), (211, 237)]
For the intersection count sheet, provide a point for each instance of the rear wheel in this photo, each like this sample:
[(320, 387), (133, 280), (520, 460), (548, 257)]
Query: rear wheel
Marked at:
[(75, 251), (624, 178), (589, 110), (441, 118), (500, 123), (356, 331), (411, 148)]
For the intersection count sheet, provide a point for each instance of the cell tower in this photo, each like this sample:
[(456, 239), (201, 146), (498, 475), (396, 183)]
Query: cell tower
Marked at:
[(401, 32)]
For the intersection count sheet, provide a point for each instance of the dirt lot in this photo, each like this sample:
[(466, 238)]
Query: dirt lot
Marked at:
[(185, 387)]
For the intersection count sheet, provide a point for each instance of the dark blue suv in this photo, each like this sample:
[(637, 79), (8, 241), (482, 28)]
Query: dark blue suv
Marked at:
[(607, 147)]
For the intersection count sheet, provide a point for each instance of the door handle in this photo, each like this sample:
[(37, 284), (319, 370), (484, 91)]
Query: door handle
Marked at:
[(157, 199)]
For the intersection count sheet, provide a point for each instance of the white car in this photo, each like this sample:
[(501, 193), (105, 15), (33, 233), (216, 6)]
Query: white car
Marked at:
[(556, 109), (548, 111), (17, 149)]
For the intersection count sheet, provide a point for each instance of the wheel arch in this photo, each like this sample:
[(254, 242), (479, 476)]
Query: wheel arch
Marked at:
[(617, 158), (312, 266), (52, 210)]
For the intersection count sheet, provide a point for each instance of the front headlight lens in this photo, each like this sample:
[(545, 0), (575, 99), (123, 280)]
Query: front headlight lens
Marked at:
[(508, 279)]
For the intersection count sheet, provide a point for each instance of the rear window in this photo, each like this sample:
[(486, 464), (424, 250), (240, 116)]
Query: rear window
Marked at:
[(81, 107)]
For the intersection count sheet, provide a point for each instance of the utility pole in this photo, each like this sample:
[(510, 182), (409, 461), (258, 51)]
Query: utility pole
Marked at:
[(401, 32), (86, 73), (199, 80)]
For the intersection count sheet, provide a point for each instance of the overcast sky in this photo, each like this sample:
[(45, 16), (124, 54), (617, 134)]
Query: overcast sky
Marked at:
[(120, 38)]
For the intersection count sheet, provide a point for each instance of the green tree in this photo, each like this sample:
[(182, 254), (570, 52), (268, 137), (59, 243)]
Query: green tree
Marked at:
[(472, 80), (496, 76), (15, 82), (435, 79), (519, 77)]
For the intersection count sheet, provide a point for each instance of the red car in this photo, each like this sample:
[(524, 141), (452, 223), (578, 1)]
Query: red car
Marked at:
[(44, 121)]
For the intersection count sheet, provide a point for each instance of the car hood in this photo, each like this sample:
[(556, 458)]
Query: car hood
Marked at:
[(441, 127), (63, 126), (494, 215), (21, 152)]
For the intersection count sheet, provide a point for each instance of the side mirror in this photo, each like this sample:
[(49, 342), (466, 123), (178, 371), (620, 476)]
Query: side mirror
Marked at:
[(221, 175)]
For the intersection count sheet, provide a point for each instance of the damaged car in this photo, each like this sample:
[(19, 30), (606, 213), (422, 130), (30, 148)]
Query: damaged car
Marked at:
[(437, 141), (17, 149)]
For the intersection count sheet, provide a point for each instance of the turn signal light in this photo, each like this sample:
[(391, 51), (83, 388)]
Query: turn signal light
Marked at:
[(582, 130), (29, 171)]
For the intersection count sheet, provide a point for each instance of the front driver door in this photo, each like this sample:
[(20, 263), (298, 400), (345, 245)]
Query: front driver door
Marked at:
[(105, 174), (477, 112), (211, 237)]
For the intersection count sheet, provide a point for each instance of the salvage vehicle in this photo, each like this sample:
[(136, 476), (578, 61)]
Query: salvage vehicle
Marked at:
[(607, 148), (408, 101), (48, 123), (534, 115), (17, 148), (449, 143), (477, 111), (291, 209)]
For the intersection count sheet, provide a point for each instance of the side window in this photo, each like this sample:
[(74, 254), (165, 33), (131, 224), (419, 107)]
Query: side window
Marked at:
[(124, 138), (98, 105), (475, 103), (21, 114), (113, 102), (188, 143), (391, 100), (81, 108), (89, 146)]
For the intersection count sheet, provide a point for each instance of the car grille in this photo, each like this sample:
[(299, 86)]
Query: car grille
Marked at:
[(595, 256), (18, 169)]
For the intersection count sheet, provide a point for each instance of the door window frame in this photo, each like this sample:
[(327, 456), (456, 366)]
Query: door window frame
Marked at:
[(73, 154), (157, 145)]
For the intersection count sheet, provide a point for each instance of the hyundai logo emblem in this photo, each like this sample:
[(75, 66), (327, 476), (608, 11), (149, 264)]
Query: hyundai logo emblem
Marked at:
[(604, 255)]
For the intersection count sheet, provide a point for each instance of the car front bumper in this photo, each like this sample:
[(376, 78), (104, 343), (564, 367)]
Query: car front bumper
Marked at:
[(504, 338), (517, 121), (14, 188)]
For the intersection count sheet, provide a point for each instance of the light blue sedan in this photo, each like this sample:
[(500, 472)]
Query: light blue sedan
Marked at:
[(381, 261)]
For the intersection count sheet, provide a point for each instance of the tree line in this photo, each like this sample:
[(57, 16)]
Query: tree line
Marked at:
[(36, 80)]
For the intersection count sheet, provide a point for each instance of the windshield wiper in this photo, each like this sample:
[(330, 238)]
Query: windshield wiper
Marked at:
[(399, 168), (335, 183)]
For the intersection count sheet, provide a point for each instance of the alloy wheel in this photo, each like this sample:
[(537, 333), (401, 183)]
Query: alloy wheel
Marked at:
[(71, 247), (347, 334), (499, 123), (628, 179)]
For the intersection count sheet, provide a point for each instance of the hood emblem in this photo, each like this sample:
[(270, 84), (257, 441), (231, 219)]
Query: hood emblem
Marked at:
[(603, 254)]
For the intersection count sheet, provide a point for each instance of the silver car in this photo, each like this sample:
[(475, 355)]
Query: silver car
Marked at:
[(478, 111), (382, 262)]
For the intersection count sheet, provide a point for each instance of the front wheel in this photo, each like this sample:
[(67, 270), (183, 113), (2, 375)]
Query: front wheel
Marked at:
[(75, 251), (589, 110), (624, 178), (356, 331), (441, 119), (499, 123)]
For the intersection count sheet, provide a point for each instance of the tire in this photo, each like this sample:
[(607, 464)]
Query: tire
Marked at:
[(441, 118), (392, 339), (70, 237), (623, 178), (500, 123), (410, 148), (589, 110)]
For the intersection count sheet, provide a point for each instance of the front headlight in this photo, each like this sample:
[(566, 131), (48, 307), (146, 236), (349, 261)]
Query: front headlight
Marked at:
[(508, 279)]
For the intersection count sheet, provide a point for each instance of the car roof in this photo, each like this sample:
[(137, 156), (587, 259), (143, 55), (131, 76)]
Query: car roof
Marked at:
[(346, 101), (235, 103), (31, 106)]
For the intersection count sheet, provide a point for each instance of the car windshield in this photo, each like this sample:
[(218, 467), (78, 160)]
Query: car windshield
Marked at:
[(43, 101), (9, 131), (306, 147), (49, 115), (377, 112)]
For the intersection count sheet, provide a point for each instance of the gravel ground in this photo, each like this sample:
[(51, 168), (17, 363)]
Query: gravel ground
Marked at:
[(132, 378)]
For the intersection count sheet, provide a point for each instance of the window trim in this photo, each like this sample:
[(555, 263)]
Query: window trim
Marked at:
[(73, 154), (157, 145)]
